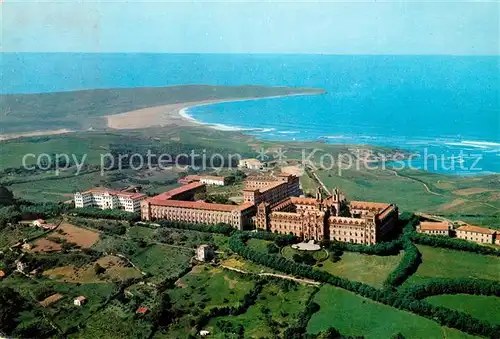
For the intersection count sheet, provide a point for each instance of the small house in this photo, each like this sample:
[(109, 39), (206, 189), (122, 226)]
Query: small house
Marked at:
[(80, 301), (142, 310), (2, 274), (38, 222), (204, 253)]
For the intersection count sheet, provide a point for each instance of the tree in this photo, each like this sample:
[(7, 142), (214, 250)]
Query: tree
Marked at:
[(98, 269), (11, 304), (6, 197)]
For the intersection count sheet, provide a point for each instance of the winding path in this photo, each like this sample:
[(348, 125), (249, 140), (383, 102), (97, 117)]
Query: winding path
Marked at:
[(282, 276)]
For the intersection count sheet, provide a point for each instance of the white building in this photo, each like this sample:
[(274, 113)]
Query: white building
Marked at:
[(434, 228), (204, 253), (477, 234), (253, 164), (212, 180), (109, 199)]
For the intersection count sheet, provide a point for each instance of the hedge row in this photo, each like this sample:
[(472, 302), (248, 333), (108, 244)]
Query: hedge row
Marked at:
[(88, 212), (412, 258), (439, 286), (224, 229), (452, 243), (444, 316)]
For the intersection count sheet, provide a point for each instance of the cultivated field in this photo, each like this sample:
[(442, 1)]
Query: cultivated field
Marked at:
[(115, 269), (83, 237)]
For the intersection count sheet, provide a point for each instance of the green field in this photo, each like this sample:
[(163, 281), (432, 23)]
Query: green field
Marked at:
[(15, 233), (258, 244), (63, 312), (358, 316), (482, 307), (206, 287), (368, 269), (276, 309), (199, 291), (445, 263), (163, 261), (116, 320)]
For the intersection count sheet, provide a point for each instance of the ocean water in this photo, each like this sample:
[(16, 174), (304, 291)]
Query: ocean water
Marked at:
[(448, 107)]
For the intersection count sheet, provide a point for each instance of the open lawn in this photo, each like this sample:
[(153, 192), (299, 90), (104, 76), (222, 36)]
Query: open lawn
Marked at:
[(357, 316), (278, 307), (482, 307), (258, 244), (368, 269), (163, 261), (445, 263)]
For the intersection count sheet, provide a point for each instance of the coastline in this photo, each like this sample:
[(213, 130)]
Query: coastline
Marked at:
[(178, 114)]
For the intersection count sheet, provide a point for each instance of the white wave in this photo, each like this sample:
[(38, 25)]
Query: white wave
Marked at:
[(335, 137), (462, 144), (481, 143), (288, 132)]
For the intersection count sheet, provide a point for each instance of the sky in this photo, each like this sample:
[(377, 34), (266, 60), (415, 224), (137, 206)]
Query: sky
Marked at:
[(310, 27)]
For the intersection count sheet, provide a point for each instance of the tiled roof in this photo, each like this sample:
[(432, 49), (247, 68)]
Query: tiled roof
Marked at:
[(142, 310), (200, 205), (365, 205), (179, 190), (303, 201), (476, 229), (434, 226)]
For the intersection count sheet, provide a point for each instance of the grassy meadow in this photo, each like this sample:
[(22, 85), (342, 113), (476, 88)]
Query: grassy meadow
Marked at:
[(445, 263), (482, 307), (357, 316)]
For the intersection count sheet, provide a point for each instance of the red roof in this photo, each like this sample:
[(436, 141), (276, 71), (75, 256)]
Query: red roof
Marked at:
[(476, 229), (199, 205), (142, 310), (179, 190), (434, 226), (2, 274)]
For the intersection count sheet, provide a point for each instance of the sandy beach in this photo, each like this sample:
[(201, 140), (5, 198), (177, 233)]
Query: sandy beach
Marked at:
[(168, 115)]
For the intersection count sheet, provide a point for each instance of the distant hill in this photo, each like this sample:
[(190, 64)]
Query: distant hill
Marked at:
[(79, 110)]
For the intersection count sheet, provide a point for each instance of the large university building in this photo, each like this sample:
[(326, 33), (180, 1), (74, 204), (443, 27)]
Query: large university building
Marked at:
[(179, 205), (273, 204), (109, 199), (332, 218)]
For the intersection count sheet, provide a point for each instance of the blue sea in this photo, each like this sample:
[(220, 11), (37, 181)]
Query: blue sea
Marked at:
[(449, 106)]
